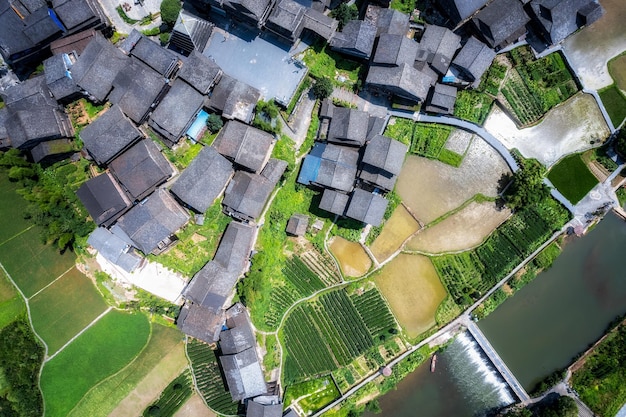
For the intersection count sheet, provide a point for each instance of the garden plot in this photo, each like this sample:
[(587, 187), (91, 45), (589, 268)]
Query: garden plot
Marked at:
[(571, 127), (400, 226), (431, 189), (459, 141), (590, 49), (351, 257), (64, 308), (411, 286), (464, 229)]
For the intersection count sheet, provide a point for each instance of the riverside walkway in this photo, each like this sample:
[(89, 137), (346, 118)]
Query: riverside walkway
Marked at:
[(493, 356)]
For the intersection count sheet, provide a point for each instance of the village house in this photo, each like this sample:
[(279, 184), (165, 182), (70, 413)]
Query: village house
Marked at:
[(116, 247), (367, 207), (190, 32), (395, 50), (109, 135), (104, 199), (334, 202), (51, 151), (356, 39), (441, 99), (330, 166), (200, 72), (204, 180), (382, 162), (265, 406), (247, 147), (501, 23), (460, 10), (472, 61), (235, 100), (152, 223), (557, 19), (297, 224), (437, 48), (58, 79)]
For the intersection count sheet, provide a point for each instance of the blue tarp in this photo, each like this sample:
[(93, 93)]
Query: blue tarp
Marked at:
[(311, 164), (198, 125)]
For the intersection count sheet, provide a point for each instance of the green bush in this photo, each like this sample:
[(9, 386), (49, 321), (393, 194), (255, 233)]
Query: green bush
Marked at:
[(151, 32), (214, 123), (124, 16), (164, 38), (345, 13), (323, 88)]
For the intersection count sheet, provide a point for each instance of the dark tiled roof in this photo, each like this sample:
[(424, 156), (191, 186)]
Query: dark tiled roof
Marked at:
[(338, 168), (4, 136), (58, 78), (31, 93), (103, 198), (255, 10), (245, 145), (334, 202), (239, 337), (459, 10), (438, 45), (52, 150), (191, 32), (560, 18), (141, 169), (395, 50), (274, 170), (200, 72), (176, 111), (263, 410), (318, 22), (297, 224), (442, 99), (367, 207), (156, 57), (404, 81), (108, 135), (357, 38), (287, 19), (74, 43), (199, 322), (348, 126), (375, 126), (385, 153), (474, 59), (501, 22), (153, 220), (235, 99), (388, 20), (246, 195), (135, 90), (243, 375), (203, 180), (77, 15), (97, 67)]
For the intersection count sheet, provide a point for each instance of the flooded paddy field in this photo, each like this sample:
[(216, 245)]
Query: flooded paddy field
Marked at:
[(465, 229), (589, 50), (568, 128), (431, 188), (400, 226), (413, 289), (351, 256)]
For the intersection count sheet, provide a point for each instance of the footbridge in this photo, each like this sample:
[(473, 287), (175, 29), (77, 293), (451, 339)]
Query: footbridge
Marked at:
[(493, 356)]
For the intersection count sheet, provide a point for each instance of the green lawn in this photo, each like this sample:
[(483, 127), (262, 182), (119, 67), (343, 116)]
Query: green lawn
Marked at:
[(572, 178), (323, 62), (11, 303), (615, 103), (31, 264), (65, 308), (11, 207), (316, 393), (104, 349), (104, 397)]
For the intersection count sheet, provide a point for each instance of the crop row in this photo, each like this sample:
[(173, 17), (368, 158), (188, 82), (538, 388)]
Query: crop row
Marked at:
[(469, 274), (374, 312), (301, 277), (208, 378), (172, 397)]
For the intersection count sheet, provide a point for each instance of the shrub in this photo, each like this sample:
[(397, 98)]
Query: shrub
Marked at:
[(323, 88), (345, 13), (151, 32), (214, 123), (169, 11), (164, 38)]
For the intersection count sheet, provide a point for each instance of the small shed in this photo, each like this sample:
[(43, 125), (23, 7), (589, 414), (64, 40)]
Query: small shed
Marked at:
[(297, 224)]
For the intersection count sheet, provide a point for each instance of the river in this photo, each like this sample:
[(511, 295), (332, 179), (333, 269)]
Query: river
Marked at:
[(540, 329)]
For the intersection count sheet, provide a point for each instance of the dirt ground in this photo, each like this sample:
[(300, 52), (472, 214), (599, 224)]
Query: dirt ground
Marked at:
[(568, 128), (591, 48), (351, 257), (431, 188), (464, 229), (153, 384), (413, 289), (194, 407), (400, 226)]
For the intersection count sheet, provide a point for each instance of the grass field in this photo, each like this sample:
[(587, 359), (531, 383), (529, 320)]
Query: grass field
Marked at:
[(413, 289), (11, 221), (615, 103), (313, 394), (103, 398), (105, 348), (11, 304), (31, 264), (64, 308), (572, 178)]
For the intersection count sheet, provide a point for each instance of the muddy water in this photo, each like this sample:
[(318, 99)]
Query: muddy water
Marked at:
[(431, 188), (413, 289), (566, 129), (591, 48), (400, 226), (351, 257)]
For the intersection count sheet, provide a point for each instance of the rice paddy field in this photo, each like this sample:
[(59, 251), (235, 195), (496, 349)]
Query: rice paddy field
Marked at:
[(465, 229), (101, 351), (400, 226), (351, 257), (413, 290), (64, 308), (572, 178)]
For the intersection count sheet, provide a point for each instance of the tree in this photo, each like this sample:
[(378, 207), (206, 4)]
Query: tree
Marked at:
[(323, 88), (344, 13), (527, 188), (620, 143), (214, 123), (169, 11)]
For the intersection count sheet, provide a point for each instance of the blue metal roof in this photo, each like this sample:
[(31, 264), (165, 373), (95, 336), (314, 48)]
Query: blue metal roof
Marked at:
[(198, 125), (311, 164)]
